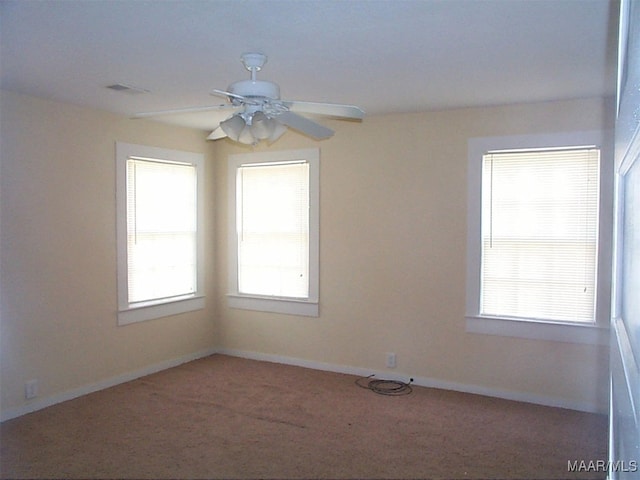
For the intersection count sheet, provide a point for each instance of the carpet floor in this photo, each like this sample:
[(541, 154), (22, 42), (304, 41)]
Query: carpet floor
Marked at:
[(226, 417)]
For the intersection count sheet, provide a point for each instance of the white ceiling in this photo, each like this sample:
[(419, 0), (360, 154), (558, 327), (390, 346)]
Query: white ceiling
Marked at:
[(384, 56)]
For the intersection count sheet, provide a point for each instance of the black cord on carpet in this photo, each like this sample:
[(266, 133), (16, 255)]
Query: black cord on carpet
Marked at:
[(385, 387)]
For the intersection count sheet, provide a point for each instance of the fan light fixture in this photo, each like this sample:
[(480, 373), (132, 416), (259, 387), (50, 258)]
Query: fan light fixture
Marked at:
[(262, 126), (250, 128)]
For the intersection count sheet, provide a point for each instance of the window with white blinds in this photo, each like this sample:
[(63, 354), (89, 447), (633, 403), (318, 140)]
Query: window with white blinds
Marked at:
[(159, 232), (161, 229), (539, 234), (273, 229)]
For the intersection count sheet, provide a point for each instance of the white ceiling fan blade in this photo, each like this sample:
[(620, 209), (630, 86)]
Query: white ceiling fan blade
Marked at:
[(217, 134), (234, 96), (304, 125), (222, 93), (327, 109), (176, 111)]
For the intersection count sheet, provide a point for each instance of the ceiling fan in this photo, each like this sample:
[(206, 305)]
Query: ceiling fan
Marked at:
[(260, 114)]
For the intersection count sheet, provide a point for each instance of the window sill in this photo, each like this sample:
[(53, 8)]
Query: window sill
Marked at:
[(150, 311), (290, 306), (538, 330)]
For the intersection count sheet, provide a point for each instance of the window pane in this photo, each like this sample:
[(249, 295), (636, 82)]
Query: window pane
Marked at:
[(161, 229), (539, 234), (273, 229)]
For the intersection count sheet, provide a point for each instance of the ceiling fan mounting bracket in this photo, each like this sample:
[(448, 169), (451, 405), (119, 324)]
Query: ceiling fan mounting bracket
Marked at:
[(253, 61)]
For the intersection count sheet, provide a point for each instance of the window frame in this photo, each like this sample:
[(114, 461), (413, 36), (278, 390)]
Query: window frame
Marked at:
[(133, 312), (308, 306), (573, 332)]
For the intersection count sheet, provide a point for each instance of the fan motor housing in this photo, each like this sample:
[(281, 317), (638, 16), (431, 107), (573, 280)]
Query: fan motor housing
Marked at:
[(255, 88)]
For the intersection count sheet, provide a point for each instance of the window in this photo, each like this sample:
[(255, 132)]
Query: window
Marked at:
[(273, 231), (540, 234), (159, 232), (535, 237)]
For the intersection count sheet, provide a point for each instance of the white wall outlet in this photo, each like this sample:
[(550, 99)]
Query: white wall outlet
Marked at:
[(31, 389), (391, 360)]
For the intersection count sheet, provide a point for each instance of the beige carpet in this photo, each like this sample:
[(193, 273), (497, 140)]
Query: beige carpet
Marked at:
[(225, 417)]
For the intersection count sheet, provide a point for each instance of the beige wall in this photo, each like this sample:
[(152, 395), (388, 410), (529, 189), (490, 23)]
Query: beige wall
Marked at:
[(392, 258), (58, 258), (392, 247)]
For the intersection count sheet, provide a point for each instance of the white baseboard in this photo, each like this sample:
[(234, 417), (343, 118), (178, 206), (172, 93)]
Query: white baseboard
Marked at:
[(40, 403), (419, 381)]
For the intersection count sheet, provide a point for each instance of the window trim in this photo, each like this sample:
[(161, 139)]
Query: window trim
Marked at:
[(293, 306), (140, 311), (591, 333)]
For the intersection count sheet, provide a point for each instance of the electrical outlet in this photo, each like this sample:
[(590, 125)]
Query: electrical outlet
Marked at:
[(31, 389), (391, 360)]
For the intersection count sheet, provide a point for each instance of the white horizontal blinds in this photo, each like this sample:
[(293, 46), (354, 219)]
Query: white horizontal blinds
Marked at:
[(273, 229), (540, 234), (161, 229)]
